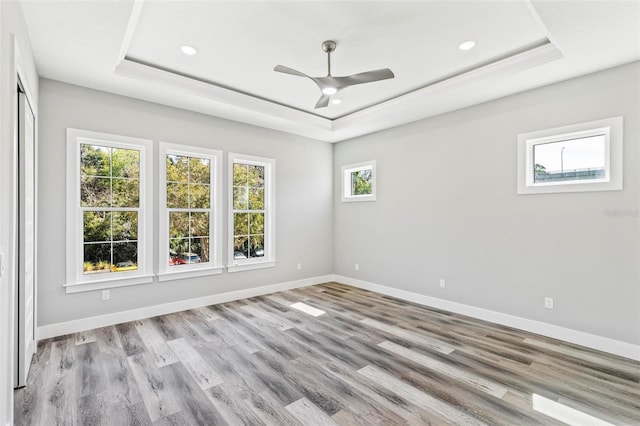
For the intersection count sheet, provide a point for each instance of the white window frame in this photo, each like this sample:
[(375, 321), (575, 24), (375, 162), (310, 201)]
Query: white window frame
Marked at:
[(215, 265), (76, 280), (347, 170), (610, 128), (269, 260)]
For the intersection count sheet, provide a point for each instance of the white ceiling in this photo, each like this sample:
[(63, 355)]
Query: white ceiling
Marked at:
[(132, 48)]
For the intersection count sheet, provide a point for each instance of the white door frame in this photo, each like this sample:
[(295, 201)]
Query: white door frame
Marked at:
[(21, 79), (11, 69)]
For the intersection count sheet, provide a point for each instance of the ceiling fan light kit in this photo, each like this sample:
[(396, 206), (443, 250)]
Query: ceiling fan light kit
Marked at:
[(330, 85)]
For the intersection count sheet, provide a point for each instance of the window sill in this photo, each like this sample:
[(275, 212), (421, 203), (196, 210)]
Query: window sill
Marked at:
[(238, 267), (178, 275), (358, 198), (104, 284), (570, 186)]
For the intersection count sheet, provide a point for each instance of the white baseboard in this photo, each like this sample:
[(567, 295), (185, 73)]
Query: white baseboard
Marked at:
[(600, 343), (592, 341), (62, 328)]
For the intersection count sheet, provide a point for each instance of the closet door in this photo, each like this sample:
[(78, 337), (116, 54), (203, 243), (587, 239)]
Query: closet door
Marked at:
[(26, 244)]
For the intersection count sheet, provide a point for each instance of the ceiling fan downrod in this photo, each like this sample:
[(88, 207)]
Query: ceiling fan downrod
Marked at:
[(329, 46)]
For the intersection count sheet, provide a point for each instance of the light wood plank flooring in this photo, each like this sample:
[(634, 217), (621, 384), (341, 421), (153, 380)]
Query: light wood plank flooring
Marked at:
[(369, 359)]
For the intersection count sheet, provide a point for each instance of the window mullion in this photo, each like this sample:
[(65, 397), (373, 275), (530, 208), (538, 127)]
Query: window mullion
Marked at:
[(109, 209)]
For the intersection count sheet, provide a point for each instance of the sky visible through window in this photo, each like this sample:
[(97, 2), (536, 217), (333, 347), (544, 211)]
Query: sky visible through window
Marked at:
[(570, 155)]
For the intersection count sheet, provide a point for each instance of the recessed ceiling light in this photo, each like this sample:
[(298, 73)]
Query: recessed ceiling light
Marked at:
[(188, 50), (336, 101), (329, 90), (467, 45)]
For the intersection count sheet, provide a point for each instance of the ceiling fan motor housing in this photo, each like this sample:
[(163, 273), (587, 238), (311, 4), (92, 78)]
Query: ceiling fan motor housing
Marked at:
[(329, 46)]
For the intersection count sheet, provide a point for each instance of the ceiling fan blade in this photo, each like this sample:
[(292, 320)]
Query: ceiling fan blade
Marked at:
[(329, 84), (323, 101), (364, 77), (287, 70)]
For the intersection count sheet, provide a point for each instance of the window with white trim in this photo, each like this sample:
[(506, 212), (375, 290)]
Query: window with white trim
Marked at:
[(359, 182), (251, 242), (189, 218), (576, 158), (109, 210)]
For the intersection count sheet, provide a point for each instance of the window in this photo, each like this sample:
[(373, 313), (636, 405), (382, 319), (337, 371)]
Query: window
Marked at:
[(251, 212), (108, 195), (576, 158), (359, 182), (190, 243)]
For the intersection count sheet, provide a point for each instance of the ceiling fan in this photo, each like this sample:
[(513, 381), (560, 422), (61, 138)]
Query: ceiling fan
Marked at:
[(331, 85)]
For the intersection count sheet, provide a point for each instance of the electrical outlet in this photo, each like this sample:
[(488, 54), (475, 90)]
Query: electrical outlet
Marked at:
[(548, 302), (299, 266), (442, 283), (106, 294), (357, 267)]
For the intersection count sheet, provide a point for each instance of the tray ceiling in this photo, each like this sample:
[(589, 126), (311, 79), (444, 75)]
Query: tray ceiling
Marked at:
[(133, 48)]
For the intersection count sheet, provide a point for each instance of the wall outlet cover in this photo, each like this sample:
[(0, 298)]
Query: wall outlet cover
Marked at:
[(548, 302)]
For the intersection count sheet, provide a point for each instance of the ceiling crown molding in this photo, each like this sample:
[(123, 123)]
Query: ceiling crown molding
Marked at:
[(410, 106), (236, 105)]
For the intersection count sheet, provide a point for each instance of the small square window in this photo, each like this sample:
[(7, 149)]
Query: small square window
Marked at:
[(359, 182), (576, 158)]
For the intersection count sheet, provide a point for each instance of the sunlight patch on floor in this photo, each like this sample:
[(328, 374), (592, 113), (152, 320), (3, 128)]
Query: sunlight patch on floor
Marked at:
[(307, 309), (563, 413)]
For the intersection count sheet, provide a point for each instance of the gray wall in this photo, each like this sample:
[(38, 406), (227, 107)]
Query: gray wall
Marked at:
[(303, 190), (447, 208)]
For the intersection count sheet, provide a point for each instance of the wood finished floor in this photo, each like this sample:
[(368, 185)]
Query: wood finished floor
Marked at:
[(370, 359)]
